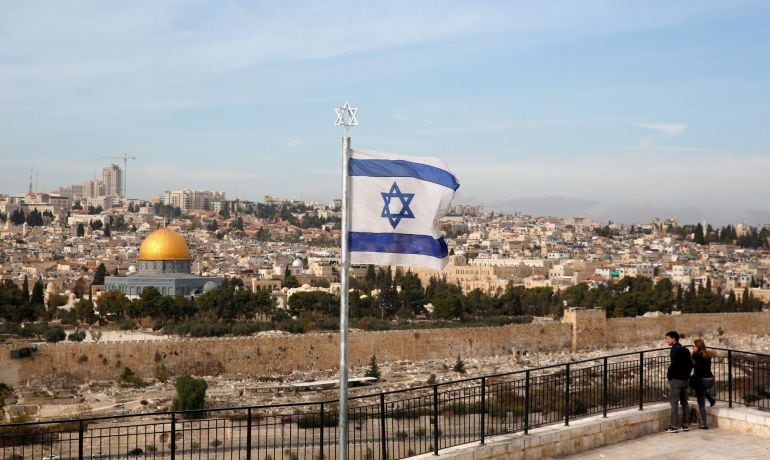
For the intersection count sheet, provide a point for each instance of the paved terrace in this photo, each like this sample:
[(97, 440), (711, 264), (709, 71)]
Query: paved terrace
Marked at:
[(700, 444), (738, 433)]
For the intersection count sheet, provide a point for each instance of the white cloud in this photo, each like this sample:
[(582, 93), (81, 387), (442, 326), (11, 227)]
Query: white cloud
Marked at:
[(293, 143), (669, 129)]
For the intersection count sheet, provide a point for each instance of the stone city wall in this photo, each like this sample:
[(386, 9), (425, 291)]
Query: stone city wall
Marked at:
[(264, 356), (270, 355), (634, 331)]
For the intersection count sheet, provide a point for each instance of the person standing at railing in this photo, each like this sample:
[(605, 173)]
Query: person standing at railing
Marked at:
[(702, 379), (678, 379)]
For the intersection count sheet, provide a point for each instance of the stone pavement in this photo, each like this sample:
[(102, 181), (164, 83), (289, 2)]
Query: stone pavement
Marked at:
[(700, 444)]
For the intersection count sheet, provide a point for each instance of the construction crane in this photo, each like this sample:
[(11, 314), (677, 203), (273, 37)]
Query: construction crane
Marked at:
[(125, 159)]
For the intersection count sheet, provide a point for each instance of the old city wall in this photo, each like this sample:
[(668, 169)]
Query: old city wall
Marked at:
[(265, 356), (270, 355), (632, 331)]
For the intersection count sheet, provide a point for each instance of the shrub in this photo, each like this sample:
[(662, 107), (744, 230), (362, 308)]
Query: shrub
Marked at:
[(313, 420), (55, 334), (127, 325), (431, 379), (402, 435), (750, 398), (82, 359), (420, 432), (161, 373), (249, 328), (459, 366), (209, 329), (461, 408), (128, 378), (291, 325), (579, 407), (215, 443), (374, 370), (77, 336), (190, 395), (328, 324)]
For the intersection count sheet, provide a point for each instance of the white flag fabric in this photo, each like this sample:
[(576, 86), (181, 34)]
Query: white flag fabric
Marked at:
[(395, 204)]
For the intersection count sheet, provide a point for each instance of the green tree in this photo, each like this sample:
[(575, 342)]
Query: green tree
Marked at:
[(459, 366), (55, 334), (699, 238), (291, 282), (99, 274), (81, 231), (374, 370), (38, 295), (190, 395), (77, 336), (129, 378), (113, 305), (84, 311), (25, 288), (316, 303)]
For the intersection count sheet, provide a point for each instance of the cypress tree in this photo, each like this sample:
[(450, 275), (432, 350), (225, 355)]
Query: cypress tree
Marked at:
[(25, 288)]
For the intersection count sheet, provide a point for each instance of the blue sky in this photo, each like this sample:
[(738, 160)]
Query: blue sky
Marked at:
[(617, 110)]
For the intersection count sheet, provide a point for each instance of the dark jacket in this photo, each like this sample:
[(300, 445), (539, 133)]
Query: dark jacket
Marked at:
[(702, 368), (681, 363)]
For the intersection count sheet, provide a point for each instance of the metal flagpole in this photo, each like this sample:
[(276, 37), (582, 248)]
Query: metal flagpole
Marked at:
[(346, 117)]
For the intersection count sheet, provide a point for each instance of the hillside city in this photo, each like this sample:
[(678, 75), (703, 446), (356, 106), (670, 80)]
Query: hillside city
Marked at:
[(275, 263)]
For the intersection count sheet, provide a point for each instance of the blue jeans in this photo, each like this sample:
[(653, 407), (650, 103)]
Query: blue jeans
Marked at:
[(678, 394)]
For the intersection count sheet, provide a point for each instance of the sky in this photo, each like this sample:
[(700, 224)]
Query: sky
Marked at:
[(619, 111)]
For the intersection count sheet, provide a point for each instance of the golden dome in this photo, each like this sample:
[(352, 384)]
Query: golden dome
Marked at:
[(164, 244)]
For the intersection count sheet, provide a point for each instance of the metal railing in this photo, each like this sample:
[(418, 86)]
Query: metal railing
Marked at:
[(391, 424)]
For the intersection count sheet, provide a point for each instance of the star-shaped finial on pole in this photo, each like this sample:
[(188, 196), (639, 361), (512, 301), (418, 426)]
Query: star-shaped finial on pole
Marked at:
[(346, 117)]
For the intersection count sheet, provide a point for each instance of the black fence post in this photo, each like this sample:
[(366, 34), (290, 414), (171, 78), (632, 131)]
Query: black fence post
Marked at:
[(641, 380), (435, 420), (526, 402), (605, 389), (248, 433), (81, 429), (729, 378), (323, 424), (383, 435), (483, 405), (566, 398), (173, 436)]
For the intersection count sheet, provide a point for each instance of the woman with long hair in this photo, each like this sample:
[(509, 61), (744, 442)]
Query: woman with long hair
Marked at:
[(702, 379)]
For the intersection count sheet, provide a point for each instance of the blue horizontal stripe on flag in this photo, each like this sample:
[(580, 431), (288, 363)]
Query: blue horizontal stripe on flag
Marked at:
[(398, 243), (403, 168)]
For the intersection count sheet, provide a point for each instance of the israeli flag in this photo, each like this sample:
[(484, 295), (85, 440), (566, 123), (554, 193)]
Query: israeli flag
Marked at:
[(396, 202)]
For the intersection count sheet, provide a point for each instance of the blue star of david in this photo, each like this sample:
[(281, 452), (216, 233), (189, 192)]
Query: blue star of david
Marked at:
[(404, 213)]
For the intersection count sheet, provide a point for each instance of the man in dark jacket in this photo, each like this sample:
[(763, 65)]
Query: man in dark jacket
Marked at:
[(678, 378)]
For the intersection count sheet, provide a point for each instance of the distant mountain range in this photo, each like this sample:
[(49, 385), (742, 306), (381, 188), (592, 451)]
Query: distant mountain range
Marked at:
[(562, 206)]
